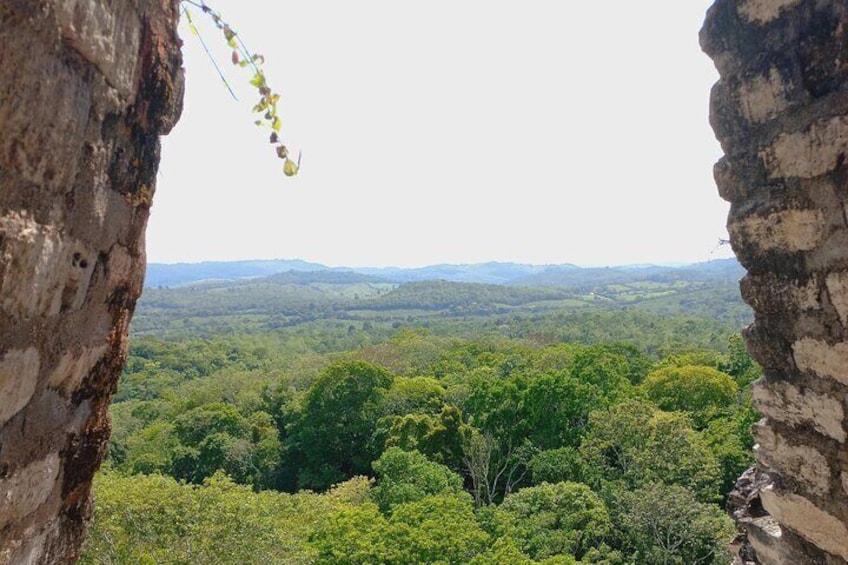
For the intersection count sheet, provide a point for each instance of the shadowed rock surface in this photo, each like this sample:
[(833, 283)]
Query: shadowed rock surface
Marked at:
[(86, 89), (780, 111)]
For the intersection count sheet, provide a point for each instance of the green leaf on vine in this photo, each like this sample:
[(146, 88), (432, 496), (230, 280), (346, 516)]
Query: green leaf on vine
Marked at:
[(290, 168), (258, 79)]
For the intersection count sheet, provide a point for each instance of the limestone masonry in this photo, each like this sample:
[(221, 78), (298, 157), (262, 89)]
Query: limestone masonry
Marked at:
[(780, 111), (86, 89)]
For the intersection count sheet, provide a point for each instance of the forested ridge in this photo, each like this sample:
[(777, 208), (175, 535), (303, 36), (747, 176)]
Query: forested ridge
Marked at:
[(295, 297), (344, 418)]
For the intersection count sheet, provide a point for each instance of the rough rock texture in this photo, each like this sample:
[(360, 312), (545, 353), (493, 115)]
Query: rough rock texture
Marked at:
[(86, 89), (780, 111)]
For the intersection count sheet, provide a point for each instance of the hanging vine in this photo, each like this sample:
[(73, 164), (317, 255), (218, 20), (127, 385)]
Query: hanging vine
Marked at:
[(266, 106)]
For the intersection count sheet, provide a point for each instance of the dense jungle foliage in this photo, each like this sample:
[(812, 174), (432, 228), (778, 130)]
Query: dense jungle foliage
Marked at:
[(336, 418)]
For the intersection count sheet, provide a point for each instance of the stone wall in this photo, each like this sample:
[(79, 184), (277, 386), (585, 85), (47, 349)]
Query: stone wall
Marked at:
[(86, 89), (780, 111)]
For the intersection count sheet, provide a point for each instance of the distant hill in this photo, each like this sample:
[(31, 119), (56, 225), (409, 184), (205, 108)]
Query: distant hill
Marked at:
[(176, 274), (251, 302), (576, 277), (461, 297), (326, 276), (518, 274), (718, 269), (485, 273)]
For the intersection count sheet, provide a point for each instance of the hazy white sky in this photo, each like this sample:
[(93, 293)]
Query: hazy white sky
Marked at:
[(449, 131)]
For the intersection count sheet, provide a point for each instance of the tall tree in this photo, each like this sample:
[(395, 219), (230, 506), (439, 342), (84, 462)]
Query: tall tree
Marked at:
[(555, 519), (636, 444), (334, 430), (702, 392)]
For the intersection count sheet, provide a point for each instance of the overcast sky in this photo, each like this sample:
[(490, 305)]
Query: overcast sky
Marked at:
[(449, 131)]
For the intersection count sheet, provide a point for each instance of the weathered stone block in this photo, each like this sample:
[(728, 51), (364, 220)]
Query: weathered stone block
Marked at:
[(802, 462), (763, 97), (18, 378), (822, 358), (29, 130), (29, 549), (810, 522), (781, 294), (784, 402), (766, 537), (809, 153), (27, 489), (55, 270), (73, 368), (786, 231), (106, 36)]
